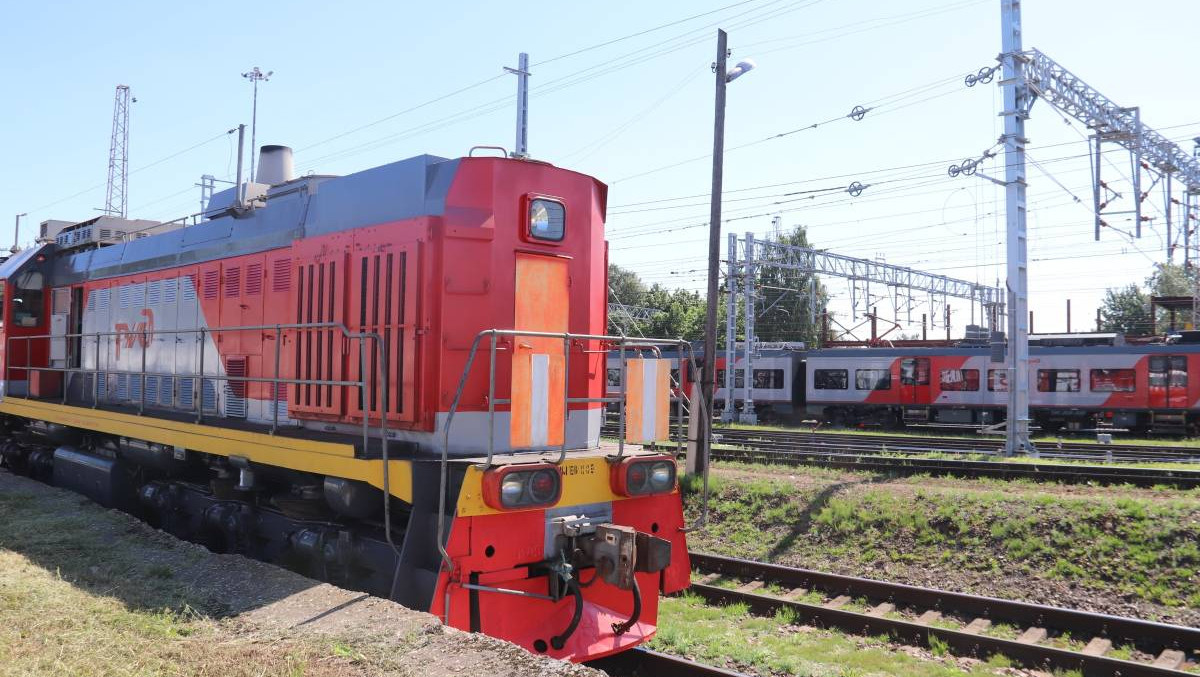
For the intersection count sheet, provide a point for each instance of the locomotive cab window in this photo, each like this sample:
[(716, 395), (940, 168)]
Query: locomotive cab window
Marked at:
[(28, 299), (829, 379), (547, 220)]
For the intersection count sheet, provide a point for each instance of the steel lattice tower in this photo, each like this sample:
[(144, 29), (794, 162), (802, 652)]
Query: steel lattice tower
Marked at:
[(116, 200)]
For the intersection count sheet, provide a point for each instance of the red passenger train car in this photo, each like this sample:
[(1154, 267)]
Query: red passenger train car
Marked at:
[(393, 380), (1150, 388)]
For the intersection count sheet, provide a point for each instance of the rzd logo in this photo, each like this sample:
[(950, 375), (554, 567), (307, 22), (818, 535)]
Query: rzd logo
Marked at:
[(139, 334)]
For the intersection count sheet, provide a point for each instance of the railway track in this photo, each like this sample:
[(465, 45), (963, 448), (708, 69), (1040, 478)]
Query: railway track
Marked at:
[(647, 663), (1032, 635), (897, 455), (781, 440)]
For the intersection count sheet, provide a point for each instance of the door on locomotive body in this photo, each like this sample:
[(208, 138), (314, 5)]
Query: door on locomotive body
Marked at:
[(542, 304), (1167, 382), (914, 381)]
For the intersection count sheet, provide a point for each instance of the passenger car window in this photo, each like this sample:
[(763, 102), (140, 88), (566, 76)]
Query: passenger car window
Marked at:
[(959, 379), (872, 379), (997, 380), (1113, 380), (768, 379), (1058, 380), (830, 379), (547, 220)]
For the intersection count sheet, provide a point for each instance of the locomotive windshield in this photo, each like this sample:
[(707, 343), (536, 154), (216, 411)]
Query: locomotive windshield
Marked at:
[(27, 299)]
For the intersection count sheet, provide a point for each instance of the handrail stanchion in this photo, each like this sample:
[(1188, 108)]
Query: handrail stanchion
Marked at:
[(199, 395), (96, 376), (142, 376), (275, 382), (492, 401), (621, 405), (562, 454), (443, 489), (66, 374), (366, 396)]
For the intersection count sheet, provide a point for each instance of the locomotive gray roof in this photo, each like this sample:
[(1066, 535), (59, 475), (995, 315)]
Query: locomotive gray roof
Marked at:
[(400, 190)]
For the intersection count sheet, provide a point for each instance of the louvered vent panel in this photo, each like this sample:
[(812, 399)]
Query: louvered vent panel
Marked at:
[(235, 391), (187, 389), (281, 275), (233, 282), (188, 283), (210, 282), (254, 279), (154, 292)]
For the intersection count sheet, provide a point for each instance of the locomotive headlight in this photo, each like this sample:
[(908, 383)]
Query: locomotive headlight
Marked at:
[(522, 486), (640, 476), (662, 476), (511, 489)]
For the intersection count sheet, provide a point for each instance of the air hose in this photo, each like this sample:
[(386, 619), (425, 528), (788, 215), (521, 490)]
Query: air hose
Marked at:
[(559, 641), (622, 628)]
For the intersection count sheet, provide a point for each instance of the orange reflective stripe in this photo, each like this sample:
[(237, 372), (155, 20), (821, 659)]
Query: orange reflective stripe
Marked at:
[(647, 398), (537, 363)]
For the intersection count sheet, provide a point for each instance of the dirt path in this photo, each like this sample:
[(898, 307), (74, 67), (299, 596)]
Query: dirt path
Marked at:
[(88, 591)]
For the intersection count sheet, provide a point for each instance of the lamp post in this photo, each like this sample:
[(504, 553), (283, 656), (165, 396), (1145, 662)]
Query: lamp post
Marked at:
[(698, 461), (16, 234), (255, 75)]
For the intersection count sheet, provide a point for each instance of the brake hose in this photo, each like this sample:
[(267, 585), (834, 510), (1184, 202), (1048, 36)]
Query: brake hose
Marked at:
[(621, 628), (559, 641)]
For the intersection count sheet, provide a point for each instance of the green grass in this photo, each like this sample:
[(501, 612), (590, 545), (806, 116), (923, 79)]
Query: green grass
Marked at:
[(729, 636), (1145, 546)]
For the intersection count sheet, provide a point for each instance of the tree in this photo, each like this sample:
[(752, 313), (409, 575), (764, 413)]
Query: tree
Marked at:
[(1125, 310), (783, 298), (657, 311), (1172, 280)]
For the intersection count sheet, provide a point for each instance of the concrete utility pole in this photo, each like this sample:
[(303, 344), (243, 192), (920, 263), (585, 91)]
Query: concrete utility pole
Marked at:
[(708, 373), (521, 149), (698, 461), (16, 234), (255, 76), (1017, 101)]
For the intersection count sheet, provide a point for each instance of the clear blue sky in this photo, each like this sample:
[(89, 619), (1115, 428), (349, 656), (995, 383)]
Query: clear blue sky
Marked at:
[(617, 112)]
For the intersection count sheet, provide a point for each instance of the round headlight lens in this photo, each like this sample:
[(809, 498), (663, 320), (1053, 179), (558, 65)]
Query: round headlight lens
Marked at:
[(635, 478), (511, 488), (542, 486), (661, 475)]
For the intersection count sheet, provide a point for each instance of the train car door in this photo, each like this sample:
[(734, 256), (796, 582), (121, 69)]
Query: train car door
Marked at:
[(914, 380), (1168, 381), (538, 363)]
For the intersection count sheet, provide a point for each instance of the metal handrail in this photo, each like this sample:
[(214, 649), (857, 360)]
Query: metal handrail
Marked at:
[(363, 384), (623, 342)]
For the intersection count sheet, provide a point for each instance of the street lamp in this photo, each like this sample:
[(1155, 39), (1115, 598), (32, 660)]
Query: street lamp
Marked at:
[(254, 76), (16, 234), (699, 461)]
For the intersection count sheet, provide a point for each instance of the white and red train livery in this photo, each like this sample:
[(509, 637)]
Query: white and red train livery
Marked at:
[(1142, 387)]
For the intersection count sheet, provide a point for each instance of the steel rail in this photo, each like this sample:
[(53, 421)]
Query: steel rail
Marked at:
[(647, 663), (1029, 653), (905, 466)]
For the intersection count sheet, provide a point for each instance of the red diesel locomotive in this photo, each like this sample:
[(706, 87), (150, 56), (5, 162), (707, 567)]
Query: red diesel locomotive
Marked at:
[(393, 380)]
